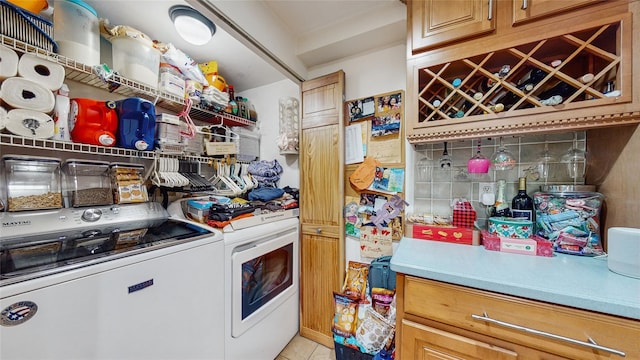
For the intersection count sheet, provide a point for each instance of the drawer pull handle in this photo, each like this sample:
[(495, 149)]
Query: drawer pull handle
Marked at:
[(525, 4), (591, 344), (490, 12)]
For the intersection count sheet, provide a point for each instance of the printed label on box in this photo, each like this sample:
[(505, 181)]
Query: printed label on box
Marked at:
[(518, 246)]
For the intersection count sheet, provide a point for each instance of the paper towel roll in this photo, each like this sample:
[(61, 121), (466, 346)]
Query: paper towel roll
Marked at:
[(29, 123), (42, 71), (23, 93), (3, 117), (9, 61)]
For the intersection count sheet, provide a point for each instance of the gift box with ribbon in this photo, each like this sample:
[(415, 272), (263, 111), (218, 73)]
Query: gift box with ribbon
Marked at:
[(464, 215)]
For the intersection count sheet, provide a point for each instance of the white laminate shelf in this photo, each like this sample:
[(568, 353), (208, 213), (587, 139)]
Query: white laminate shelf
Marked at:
[(48, 144), (82, 73)]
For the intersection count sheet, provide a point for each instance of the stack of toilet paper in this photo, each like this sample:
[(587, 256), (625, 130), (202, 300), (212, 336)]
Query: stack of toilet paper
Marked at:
[(27, 91)]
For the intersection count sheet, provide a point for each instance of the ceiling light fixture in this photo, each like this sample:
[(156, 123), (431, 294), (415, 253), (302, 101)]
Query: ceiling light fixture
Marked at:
[(191, 25)]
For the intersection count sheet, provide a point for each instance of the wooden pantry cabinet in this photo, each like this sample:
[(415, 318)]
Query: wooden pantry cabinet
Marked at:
[(437, 320), (322, 259), (482, 86)]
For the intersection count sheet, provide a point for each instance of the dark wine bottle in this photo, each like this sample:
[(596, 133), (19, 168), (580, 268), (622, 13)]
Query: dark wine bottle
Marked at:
[(522, 204), (529, 81), (501, 207), (525, 84), (560, 89)]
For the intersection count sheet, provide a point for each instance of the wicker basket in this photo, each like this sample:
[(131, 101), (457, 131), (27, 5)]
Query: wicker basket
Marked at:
[(24, 26)]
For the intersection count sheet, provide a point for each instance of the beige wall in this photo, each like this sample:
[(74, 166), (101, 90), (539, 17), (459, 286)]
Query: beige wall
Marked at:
[(615, 169)]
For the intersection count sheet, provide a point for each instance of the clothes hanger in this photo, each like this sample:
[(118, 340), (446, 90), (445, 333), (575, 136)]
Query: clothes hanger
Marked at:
[(222, 183)]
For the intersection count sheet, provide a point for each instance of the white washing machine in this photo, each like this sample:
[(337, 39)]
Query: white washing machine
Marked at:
[(115, 282), (261, 283)]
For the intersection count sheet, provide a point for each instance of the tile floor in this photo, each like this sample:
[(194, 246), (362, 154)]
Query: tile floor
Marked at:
[(300, 348)]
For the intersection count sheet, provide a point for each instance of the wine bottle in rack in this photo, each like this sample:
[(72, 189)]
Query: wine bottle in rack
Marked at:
[(525, 84), (522, 204), (531, 79), (561, 89), (485, 85)]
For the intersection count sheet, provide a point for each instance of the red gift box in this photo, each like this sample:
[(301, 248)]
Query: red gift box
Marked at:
[(451, 234), (464, 215)]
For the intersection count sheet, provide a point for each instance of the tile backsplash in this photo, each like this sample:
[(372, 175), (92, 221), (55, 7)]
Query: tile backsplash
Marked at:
[(435, 188)]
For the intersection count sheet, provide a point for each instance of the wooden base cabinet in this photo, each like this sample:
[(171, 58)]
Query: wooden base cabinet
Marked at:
[(438, 320)]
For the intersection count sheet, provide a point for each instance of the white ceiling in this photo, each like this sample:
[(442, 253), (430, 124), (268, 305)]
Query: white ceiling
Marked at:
[(298, 34)]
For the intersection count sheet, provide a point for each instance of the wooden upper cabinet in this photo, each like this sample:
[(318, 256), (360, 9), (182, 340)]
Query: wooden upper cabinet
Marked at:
[(525, 10), (554, 74), (436, 22)]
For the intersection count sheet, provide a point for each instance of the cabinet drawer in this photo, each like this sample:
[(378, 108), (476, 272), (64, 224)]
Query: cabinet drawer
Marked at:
[(425, 342), (525, 322)]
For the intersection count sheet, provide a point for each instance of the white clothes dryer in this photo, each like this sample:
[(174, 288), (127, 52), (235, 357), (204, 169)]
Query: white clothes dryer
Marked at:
[(261, 283)]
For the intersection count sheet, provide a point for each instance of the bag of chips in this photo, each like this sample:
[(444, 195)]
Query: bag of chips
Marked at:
[(345, 315), (355, 283)]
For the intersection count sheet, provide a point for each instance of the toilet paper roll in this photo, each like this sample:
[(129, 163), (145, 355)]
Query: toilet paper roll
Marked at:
[(3, 117), (17, 92), (29, 123), (9, 61), (42, 71)]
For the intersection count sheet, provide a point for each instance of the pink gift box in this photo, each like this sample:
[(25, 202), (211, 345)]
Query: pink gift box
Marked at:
[(535, 245)]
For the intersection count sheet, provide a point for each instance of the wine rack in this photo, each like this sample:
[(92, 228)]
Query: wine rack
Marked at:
[(567, 79)]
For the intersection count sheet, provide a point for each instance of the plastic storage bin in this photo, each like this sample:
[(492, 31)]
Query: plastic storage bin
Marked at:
[(570, 218), (88, 183), (33, 183), (136, 60), (25, 26), (76, 30), (127, 182)]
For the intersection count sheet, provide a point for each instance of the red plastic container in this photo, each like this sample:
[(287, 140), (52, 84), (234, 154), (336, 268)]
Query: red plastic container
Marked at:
[(93, 122)]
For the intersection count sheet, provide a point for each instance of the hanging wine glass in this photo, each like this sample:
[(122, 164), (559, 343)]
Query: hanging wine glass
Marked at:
[(544, 162), (445, 159), (575, 159), (478, 164), (424, 167), (503, 159)]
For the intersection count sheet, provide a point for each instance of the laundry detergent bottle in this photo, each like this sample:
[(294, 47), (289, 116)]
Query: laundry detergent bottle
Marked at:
[(136, 124), (93, 122)]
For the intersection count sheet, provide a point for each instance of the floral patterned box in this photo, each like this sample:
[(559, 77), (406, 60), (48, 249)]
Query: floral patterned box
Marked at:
[(515, 228)]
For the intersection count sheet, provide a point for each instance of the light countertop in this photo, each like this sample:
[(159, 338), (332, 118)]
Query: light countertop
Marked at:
[(576, 281)]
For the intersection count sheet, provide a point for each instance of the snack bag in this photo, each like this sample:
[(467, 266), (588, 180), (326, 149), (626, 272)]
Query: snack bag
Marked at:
[(374, 331), (381, 300), (355, 283), (345, 316)]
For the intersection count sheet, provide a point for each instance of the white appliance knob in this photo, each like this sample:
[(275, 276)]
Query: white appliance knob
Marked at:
[(91, 215)]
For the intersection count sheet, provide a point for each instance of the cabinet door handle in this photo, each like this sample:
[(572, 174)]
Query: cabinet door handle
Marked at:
[(525, 4), (490, 14), (318, 230), (591, 344)]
